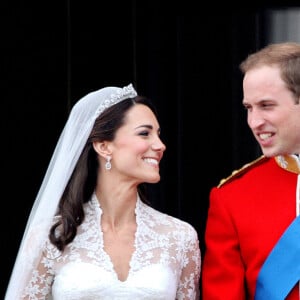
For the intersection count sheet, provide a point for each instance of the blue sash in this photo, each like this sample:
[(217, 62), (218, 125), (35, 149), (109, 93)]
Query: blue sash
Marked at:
[(281, 270)]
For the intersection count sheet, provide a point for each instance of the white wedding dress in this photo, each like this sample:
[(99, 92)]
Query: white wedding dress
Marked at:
[(165, 264)]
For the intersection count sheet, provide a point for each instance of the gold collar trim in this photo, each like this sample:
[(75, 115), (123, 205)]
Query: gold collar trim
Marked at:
[(290, 163)]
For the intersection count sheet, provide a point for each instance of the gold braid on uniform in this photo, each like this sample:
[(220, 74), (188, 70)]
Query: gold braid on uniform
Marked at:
[(242, 170)]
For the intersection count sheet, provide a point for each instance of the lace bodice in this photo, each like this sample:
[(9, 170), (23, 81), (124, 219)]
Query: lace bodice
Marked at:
[(165, 264)]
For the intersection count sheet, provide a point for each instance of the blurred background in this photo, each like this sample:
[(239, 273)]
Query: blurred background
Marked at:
[(184, 58)]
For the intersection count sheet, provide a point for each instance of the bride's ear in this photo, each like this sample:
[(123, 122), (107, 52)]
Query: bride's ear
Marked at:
[(102, 148)]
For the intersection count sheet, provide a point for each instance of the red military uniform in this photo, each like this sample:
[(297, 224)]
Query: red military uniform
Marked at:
[(248, 213)]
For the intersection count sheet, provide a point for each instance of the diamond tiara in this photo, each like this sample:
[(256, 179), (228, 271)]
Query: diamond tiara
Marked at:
[(121, 94)]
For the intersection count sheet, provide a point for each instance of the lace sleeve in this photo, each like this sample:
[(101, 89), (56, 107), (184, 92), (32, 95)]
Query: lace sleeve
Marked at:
[(189, 280), (39, 284)]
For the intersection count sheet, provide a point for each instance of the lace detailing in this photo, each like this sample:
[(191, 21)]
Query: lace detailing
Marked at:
[(162, 266), (121, 94)]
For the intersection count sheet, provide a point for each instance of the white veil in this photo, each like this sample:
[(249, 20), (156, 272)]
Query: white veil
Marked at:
[(68, 149)]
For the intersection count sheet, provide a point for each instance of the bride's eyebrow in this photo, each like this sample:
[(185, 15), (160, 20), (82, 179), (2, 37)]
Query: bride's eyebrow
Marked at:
[(146, 126)]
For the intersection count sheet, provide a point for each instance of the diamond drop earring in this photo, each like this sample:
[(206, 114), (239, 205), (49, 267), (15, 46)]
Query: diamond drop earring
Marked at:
[(108, 164)]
